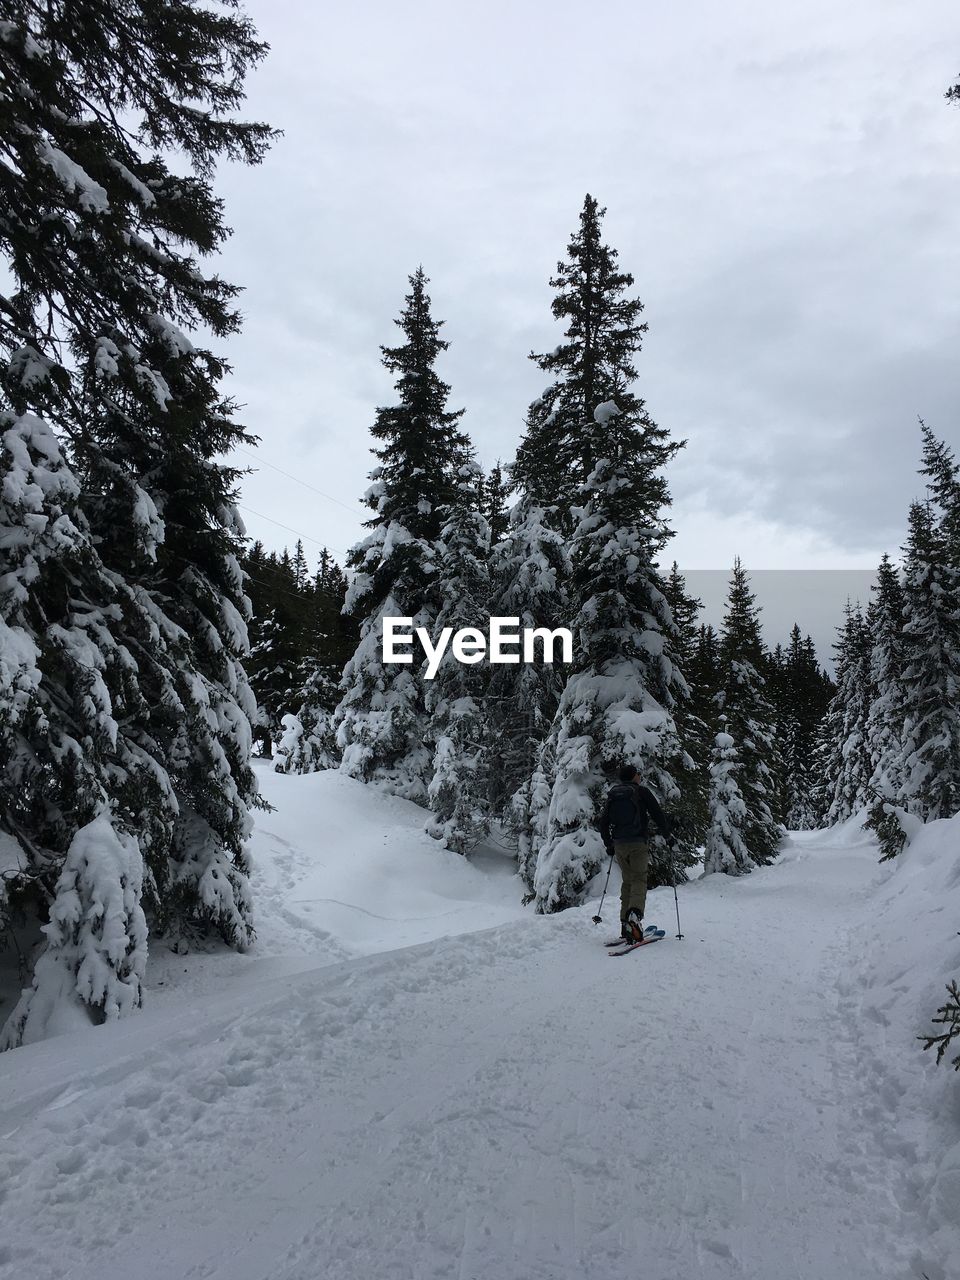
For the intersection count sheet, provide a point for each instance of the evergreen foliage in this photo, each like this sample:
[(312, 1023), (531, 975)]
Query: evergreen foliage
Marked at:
[(800, 692), (844, 760), (109, 409), (617, 704), (948, 1015), (885, 715), (747, 715), (300, 639), (594, 366), (592, 460), (725, 847), (381, 720), (943, 485), (530, 573), (691, 811), (705, 675), (930, 779), (458, 793), (495, 491)]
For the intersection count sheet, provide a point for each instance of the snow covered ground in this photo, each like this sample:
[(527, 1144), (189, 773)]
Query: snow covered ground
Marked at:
[(412, 1077)]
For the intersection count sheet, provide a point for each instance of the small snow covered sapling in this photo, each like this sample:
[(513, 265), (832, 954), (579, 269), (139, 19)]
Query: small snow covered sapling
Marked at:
[(948, 1015)]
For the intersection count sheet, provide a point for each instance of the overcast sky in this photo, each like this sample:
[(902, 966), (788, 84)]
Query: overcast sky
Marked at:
[(783, 180)]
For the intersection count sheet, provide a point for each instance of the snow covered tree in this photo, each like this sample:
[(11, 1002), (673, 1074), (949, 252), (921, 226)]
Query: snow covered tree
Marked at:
[(691, 809), (843, 757), (617, 704), (495, 490), (68, 700), (725, 846), (381, 720), (458, 793), (307, 743), (930, 774), (96, 939), (300, 640), (948, 1015), (886, 711), (101, 240), (592, 459), (744, 705), (530, 570), (705, 675), (799, 692), (593, 366), (943, 485)]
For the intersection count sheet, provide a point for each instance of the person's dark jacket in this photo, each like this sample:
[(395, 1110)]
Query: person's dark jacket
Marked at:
[(627, 812)]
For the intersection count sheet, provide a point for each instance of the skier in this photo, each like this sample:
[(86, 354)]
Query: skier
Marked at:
[(624, 825)]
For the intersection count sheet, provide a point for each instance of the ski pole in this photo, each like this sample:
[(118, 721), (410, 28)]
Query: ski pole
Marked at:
[(676, 902), (596, 918)]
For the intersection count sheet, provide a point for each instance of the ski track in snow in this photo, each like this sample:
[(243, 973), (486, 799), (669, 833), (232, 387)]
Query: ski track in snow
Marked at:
[(503, 1105)]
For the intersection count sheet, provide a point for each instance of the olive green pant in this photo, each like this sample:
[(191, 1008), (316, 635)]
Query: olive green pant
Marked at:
[(633, 858)]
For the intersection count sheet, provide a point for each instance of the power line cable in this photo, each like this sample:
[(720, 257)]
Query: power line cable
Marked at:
[(280, 525), (306, 484)]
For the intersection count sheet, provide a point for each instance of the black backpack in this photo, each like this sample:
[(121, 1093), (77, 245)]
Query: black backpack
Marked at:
[(627, 815)]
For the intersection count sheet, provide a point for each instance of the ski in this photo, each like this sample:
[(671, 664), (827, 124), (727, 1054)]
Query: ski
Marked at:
[(653, 937), (619, 942)]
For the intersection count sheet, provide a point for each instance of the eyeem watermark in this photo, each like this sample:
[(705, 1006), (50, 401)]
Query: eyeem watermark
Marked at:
[(506, 643)]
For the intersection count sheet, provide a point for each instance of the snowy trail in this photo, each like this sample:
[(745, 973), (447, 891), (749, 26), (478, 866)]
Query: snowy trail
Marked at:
[(507, 1104)]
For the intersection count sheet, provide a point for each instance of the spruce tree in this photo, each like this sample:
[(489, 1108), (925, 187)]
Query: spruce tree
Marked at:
[(495, 490), (592, 459), (458, 793), (73, 770), (617, 704), (930, 773), (102, 240), (843, 757), (705, 676), (594, 366), (381, 720), (530, 573), (943, 487), (692, 807), (886, 711), (725, 847), (799, 694), (745, 708)]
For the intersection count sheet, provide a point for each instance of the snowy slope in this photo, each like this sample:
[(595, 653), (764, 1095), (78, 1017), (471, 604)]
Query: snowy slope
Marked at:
[(508, 1104), (342, 870)]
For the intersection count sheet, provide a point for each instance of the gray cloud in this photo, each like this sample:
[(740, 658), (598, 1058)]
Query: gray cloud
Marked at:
[(783, 184)]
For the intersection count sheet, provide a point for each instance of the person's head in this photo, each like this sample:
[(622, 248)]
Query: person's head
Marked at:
[(628, 773)]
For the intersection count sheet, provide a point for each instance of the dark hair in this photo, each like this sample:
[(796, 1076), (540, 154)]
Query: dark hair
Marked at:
[(627, 773)]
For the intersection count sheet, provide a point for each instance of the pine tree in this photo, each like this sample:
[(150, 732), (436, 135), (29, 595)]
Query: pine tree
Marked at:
[(943, 486), (886, 711), (843, 758), (102, 242), (748, 715), (592, 459), (725, 846), (381, 720), (705, 676), (530, 571), (495, 492), (799, 694), (617, 704), (299, 569), (692, 807), (458, 793), (308, 738), (565, 438), (930, 774), (68, 702)]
